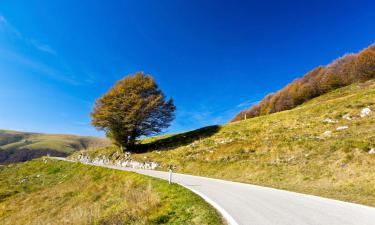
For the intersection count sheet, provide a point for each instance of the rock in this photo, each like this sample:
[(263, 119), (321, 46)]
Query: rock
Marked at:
[(192, 145), (117, 155), (23, 180), (327, 133), (347, 117), (291, 158), (342, 127), (224, 141), (365, 112), (328, 120), (372, 151), (126, 162)]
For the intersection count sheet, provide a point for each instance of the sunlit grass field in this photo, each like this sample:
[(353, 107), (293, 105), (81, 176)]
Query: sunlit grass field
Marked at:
[(58, 192), (293, 150)]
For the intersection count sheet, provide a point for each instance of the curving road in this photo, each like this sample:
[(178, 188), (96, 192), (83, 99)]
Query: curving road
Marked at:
[(255, 205)]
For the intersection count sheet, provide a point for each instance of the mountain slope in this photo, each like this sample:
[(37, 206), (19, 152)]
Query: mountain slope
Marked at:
[(321, 147), (22, 146), (343, 71)]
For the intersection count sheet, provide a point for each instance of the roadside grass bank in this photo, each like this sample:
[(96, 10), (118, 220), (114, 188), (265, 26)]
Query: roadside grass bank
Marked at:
[(48, 191)]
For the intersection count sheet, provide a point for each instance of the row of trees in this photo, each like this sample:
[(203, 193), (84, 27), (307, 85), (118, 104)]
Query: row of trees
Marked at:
[(343, 71)]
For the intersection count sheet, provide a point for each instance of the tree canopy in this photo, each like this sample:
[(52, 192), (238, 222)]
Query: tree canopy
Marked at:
[(132, 108)]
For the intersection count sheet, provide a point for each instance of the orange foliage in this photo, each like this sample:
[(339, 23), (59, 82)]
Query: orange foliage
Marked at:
[(343, 71)]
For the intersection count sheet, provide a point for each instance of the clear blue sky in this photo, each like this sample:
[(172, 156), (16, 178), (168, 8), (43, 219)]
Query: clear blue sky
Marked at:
[(213, 58)]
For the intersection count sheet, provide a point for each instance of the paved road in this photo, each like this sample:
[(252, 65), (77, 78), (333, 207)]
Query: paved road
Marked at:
[(255, 205)]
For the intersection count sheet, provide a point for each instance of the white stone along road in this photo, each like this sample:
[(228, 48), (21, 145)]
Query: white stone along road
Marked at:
[(255, 205)]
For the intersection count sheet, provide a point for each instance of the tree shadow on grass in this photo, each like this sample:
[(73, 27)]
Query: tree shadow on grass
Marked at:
[(176, 140)]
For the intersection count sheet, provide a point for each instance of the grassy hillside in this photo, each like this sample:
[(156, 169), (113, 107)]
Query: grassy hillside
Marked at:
[(293, 150), (58, 192), (21, 146)]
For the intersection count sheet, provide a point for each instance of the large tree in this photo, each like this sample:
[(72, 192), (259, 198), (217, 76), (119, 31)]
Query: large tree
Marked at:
[(132, 108)]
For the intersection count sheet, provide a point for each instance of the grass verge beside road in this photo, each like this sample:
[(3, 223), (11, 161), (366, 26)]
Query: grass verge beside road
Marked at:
[(61, 192)]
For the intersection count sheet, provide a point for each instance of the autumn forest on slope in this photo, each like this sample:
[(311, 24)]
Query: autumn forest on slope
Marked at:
[(343, 71)]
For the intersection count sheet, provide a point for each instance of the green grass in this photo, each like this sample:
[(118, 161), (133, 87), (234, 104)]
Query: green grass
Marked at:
[(58, 192), (21, 146), (286, 150)]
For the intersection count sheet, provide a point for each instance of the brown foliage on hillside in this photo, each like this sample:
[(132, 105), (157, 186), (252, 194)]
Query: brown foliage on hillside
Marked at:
[(343, 71)]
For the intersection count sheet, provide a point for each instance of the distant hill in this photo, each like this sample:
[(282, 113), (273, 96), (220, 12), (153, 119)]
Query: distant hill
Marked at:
[(344, 71), (22, 146)]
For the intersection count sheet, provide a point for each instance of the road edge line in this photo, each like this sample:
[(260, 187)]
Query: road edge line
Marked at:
[(222, 211)]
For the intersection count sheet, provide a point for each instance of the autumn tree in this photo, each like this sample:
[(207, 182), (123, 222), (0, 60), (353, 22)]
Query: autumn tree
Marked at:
[(363, 67), (132, 108)]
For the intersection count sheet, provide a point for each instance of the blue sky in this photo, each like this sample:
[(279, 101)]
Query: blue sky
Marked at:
[(214, 58)]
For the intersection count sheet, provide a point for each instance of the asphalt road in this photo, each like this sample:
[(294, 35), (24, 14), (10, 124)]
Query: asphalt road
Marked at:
[(255, 205)]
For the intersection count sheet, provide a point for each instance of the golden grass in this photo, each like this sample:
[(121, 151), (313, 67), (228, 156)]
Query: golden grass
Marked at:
[(70, 193)]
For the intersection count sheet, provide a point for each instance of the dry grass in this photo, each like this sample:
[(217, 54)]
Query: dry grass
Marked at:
[(70, 193)]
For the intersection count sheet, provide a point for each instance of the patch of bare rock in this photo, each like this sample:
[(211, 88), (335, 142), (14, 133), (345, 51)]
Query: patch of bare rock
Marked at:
[(125, 162)]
